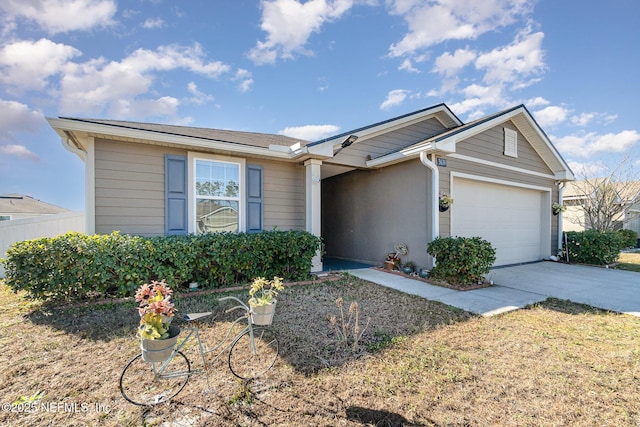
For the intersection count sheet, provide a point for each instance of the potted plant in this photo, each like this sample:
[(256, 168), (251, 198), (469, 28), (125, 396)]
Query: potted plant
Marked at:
[(408, 267), (392, 261), (262, 303), (556, 208), (444, 201), (156, 313)]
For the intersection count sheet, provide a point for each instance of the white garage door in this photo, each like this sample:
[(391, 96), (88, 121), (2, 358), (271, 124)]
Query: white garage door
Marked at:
[(508, 217)]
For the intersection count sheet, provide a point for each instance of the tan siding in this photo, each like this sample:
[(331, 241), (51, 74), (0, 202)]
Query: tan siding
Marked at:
[(356, 155), (130, 187), (284, 195), (489, 145)]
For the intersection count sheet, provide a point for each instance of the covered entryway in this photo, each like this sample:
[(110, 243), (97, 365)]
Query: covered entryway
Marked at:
[(511, 217)]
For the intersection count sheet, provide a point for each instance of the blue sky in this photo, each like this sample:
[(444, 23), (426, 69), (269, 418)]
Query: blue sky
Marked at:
[(310, 70)]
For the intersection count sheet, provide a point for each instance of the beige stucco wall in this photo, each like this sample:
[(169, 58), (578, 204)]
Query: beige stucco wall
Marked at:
[(129, 188)]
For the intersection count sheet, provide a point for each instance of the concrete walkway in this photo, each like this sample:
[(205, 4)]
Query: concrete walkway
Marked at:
[(517, 286)]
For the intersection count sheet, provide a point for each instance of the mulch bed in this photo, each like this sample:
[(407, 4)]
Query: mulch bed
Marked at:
[(436, 282)]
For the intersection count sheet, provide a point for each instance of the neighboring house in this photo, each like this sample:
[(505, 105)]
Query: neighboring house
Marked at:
[(362, 191), (627, 195), (17, 206)]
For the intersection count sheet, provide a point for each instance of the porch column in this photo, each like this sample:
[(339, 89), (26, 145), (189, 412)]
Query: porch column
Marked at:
[(313, 200)]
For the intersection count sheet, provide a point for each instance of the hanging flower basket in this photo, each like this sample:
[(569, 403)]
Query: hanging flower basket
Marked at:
[(444, 202), (263, 314), (159, 350)]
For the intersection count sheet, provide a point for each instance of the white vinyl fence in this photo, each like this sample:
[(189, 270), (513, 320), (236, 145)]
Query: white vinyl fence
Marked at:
[(18, 230)]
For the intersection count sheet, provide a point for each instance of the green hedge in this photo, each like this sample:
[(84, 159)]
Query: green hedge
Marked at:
[(77, 266), (461, 260), (594, 247), (629, 238)]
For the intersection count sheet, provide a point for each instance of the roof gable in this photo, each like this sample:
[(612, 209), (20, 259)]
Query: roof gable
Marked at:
[(446, 141)]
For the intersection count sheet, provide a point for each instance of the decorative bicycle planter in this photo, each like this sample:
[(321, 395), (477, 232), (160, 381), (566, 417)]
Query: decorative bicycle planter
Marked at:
[(263, 314), (159, 350), (251, 353)]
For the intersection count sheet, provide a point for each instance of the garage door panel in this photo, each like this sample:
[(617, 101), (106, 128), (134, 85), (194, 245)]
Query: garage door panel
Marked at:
[(508, 217)]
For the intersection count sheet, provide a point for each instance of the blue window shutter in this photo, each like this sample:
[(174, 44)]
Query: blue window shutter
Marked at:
[(254, 198), (175, 185)]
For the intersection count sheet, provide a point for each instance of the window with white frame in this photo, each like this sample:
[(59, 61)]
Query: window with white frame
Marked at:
[(217, 196)]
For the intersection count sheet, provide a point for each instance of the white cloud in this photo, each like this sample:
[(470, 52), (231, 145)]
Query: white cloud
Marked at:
[(449, 64), (394, 98), (290, 23), (245, 79), (198, 97), (61, 16), (98, 85), (310, 132), (165, 106), (505, 68), (18, 151), (583, 119), (434, 22), (551, 116), (478, 96), (151, 23), (17, 117), (587, 144), (27, 65), (588, 169), (537, 102), (407, 65), (514, 63)]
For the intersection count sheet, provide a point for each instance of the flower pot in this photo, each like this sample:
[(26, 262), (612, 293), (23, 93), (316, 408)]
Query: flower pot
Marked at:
[(193, 286), (443, 208), (423, 273), (388, 265), (159, 350), (407, 270), (263, 314)]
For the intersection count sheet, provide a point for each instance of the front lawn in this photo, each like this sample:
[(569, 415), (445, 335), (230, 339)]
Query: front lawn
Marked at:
[(629, 261), (419, 363)]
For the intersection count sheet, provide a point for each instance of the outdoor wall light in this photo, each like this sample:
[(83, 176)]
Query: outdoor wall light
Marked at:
[(350, 140), (347, 142)]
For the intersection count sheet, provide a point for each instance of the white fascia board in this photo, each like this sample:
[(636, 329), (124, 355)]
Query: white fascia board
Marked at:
[(386, 160), (445, 146), (320, 150), (191, 142)]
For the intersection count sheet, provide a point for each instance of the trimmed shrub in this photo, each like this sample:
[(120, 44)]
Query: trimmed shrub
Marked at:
[(461, 260), (593, 247), (629, 238), (77, 266)]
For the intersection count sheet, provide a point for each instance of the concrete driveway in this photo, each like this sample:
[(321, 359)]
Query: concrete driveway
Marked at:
[(518, 286), (607, 288)]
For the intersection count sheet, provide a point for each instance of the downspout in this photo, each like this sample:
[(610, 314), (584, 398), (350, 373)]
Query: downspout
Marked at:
[(435, 188), (561, 187)]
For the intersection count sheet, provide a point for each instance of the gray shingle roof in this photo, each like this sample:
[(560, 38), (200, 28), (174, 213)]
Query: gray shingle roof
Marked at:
[(254, 139), (21, 204)]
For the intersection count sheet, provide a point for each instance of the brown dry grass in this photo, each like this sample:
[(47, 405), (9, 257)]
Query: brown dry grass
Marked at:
[(419, 363), (629, 261)]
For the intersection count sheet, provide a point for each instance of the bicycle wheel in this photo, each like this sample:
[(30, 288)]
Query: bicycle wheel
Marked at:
[(142, 385), (244, 363)]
